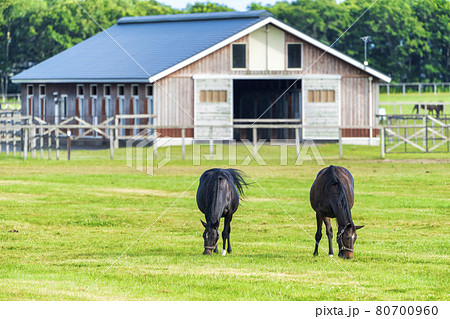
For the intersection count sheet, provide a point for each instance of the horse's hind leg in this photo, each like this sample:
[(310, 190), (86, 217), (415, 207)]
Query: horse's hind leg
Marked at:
[(226, 233), (329, 231), (318, 233)]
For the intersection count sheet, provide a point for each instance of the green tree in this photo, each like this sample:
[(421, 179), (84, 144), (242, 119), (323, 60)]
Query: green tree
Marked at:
[(432, 60), (323, 20), (11, 37), (200, 7)]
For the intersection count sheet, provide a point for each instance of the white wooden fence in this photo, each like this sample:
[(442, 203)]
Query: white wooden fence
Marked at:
[(32, 135), (418, 87)]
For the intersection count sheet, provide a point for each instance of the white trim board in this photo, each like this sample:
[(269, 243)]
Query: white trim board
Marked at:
[(268, 76), (255, 27)]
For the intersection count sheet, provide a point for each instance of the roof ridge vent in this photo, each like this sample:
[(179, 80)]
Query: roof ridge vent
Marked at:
[(256, 14)]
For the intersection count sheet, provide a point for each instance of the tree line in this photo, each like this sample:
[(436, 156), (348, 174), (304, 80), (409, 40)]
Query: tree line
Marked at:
[(409, 39)]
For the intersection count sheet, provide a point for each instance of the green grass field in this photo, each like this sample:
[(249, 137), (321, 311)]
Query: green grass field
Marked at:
[(64, 225), (410, 99)]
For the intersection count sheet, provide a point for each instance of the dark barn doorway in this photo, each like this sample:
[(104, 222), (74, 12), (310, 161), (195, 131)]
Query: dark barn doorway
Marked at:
[(253, 97)]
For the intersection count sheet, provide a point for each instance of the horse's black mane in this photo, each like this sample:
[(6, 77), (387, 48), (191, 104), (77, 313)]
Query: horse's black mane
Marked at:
[(330, 179)]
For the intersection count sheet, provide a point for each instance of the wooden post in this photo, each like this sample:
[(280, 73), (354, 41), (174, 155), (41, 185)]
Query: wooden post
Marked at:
[(7, 141), (419, 88), (183, 143), (25, 144), (41, 141), (404, 91), (33, 142), (415, 130), (382, 146), (424, 138), (116, 133), (297, 141), (68, 144), (155, 147), (388, 90), (432, 130), (211, 143), (255, 140), (49, 144), (434, 87), (341, 155), (14, 137), (57, 143), (111, 144)]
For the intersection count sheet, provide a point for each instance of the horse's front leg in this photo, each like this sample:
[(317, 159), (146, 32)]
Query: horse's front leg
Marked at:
[(226, 234), (318, 233), (329, 231)]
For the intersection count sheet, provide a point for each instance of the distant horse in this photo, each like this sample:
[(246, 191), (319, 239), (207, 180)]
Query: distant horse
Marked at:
[(332, 196), (217, 197), (430, 108)]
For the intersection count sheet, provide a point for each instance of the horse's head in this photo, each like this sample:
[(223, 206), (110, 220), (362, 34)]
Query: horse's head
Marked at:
[(210, 236), (346, 240)]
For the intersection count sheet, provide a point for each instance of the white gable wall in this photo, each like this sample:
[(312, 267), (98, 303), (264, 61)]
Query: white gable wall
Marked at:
[(275, 49), (267, 49), (258, 50)]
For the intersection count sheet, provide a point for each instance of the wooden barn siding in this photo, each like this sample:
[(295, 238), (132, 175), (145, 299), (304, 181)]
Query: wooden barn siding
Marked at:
[(354, 83), (173, 101)]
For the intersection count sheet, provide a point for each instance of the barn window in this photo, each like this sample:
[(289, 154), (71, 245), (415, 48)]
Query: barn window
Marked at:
[(294, 56), (121, 90), (80, 90), (149, 90), (213, 96), (321, 96), (29, 90), (239, 56), (134, 90), (41, 89), (93, 90), (107, 90)]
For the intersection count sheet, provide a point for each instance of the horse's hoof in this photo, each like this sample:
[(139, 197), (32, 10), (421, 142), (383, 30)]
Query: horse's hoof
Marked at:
[(224, 252), (331, 255)]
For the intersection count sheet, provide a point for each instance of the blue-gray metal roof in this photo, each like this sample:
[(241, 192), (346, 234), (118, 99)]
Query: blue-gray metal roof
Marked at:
[(155, 43)]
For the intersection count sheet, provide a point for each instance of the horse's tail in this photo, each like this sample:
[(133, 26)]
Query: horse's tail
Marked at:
[(238, 179), (333, 180), (416, 108)]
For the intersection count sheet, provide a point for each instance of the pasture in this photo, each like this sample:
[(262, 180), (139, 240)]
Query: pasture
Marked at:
[(408, 100), (63, 224)]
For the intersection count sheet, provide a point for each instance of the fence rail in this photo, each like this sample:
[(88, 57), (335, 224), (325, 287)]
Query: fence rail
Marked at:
[(444, 87), (32, 135)]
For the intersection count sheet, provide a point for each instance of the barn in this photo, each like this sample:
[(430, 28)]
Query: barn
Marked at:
[(207, 69)]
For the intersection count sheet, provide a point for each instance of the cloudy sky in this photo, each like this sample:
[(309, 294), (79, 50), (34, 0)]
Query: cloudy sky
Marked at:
[(240, 5)]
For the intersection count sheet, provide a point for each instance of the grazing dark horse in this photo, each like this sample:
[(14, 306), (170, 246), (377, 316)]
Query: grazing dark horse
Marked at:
[(438, 108), (217, 197), (332, 196)]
